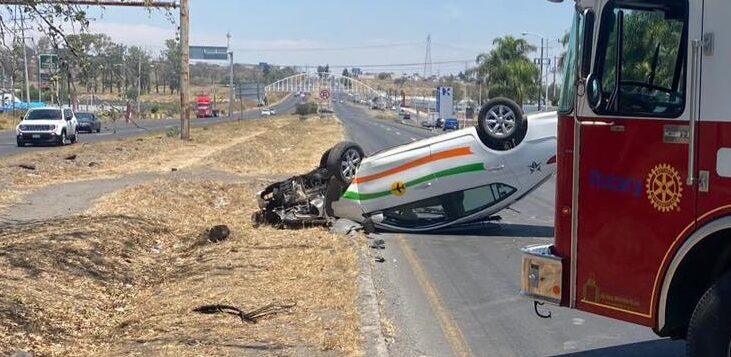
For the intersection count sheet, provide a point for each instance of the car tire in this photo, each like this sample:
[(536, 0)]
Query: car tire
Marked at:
[(323, 159), (709, 329), (75, 138), (20, 143), (344, 160), (501, 124), (98, 130)]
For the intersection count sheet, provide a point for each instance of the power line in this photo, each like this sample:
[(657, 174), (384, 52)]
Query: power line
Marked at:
[(320, 49)]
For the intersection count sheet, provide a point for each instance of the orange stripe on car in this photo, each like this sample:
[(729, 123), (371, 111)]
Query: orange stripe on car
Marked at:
[(419, 162)]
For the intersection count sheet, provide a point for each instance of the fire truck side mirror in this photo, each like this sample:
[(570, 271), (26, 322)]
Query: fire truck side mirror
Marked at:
[(594, 91)]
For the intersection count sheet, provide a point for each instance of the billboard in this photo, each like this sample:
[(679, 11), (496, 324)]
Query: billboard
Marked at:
[(210, 53), (445, 102)]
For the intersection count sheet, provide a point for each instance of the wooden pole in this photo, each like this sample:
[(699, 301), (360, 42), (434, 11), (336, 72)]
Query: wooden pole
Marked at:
[(184, 70)]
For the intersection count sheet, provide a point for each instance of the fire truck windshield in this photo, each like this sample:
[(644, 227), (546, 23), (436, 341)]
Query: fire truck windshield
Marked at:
[(570, 65)]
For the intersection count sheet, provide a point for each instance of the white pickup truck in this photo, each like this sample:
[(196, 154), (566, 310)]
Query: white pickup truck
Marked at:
[(47, 126)]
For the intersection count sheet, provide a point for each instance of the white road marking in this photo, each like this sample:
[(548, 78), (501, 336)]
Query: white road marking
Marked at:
[(397, 133), (413, 139)]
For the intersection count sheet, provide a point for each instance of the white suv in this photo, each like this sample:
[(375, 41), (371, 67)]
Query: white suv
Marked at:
[(47, 125)]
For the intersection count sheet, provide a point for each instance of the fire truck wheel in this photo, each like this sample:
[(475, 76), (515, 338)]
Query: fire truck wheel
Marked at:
[(501, 124), (709, 330), (343, 161)]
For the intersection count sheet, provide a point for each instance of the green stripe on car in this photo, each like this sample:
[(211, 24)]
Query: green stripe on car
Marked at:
[(356, 196)]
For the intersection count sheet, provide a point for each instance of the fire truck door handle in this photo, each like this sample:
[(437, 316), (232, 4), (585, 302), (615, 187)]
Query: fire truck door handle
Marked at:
[(695, 63)]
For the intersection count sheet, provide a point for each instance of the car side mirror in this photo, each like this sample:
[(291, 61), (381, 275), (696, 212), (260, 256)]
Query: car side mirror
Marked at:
[(594, 91)]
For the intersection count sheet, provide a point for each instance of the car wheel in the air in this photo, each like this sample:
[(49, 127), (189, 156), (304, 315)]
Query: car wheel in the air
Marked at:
[(323, 159), (343, 161), (709, 329), (501, 124)]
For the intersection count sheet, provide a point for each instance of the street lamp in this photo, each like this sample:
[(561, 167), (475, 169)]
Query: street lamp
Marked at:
[(540, 79)]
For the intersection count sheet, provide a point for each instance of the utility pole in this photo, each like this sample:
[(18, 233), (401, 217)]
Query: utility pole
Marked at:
[(25, 57), (231, 77), (185, 69), (540, 79), (139, 82)]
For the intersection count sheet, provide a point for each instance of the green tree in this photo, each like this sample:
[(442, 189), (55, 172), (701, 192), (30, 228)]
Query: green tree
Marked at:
[(507, 69), (171, 58)]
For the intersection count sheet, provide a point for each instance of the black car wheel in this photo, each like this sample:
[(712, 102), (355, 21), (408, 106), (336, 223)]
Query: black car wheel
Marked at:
[(709, 329), (343, 161), (20, 143), (75, 138), (323, 159), (501, 124)]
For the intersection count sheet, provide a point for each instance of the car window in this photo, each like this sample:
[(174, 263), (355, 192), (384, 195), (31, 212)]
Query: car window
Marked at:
[(446, 208), (67, 113), (85, 116), (44, 114)]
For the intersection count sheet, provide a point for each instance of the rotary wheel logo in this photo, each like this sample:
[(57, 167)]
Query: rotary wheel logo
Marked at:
[(664, 188)]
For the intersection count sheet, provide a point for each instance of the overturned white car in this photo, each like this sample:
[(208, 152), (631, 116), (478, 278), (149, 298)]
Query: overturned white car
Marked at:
[(461, 177)]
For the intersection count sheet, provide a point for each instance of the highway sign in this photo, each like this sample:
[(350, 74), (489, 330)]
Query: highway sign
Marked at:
[(324, 94), (48, 62), (211, 53)]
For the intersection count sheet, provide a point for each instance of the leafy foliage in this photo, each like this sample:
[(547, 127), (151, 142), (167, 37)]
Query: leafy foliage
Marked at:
[(508, 70)]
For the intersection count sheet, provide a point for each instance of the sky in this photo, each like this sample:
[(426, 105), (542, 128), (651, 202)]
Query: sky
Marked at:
[(376, 35)]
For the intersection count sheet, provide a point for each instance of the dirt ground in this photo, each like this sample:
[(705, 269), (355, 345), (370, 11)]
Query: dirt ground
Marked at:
[(124, 277)]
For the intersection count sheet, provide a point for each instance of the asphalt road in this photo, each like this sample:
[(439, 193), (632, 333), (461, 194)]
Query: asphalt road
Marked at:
[(125, 130), (456, 293)]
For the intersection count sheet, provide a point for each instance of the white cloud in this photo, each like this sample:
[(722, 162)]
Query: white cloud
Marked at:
[(149, 37)]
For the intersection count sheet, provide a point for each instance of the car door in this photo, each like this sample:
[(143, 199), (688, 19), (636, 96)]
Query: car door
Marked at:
[(68, 115), (394, 177), (465, 163)]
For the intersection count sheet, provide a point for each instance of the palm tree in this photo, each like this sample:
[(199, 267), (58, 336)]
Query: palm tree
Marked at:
[(507, 69)]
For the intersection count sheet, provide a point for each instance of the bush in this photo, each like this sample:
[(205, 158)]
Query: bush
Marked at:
[(306, 108), (173, 132)]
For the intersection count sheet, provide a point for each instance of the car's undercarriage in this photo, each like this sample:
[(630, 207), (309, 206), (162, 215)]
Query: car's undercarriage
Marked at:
[(295, 202)]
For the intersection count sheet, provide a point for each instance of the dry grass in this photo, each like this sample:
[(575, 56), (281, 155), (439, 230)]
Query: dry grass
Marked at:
[(8, 121), (153, 153), (123, 279)]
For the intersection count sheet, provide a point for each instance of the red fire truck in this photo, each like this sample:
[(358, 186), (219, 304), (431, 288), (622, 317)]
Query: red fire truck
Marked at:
[(204, 107), (643, 197)]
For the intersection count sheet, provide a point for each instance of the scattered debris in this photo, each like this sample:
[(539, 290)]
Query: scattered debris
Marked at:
[(345, 227), (380, 259), (251, 317), (22, 354), (93, 163), (218, 233), (174, 169), (140, 139), (70, 157), (27, 166)]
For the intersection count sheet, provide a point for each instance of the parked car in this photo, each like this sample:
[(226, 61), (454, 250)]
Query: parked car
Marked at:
[(450, 124), (457, 178), (439, 123), (407, 116), (427, 123), (266, 112), (88, 122), (47, 125)]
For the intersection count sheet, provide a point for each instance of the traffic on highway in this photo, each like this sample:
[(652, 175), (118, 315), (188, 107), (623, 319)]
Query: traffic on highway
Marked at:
[(330, 181)]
